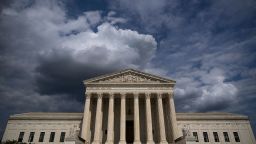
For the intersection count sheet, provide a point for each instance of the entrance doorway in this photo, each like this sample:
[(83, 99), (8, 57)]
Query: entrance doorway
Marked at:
[(129, 131)]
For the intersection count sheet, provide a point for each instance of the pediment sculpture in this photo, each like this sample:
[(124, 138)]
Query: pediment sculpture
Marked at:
[(128, 78)]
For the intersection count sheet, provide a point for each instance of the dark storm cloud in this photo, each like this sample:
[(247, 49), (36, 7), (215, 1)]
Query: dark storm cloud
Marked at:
[(47, 48), (206, 44), (61, 74), (45, 54), (208, 47)]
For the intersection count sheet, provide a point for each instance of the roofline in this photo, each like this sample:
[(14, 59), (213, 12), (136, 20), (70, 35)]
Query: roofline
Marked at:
[(122, 71)]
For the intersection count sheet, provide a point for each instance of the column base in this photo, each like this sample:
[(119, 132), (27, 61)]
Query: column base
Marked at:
[(109, 142), (96, 142), (136, 142), (150, 142), (122, 142), (163, 142)]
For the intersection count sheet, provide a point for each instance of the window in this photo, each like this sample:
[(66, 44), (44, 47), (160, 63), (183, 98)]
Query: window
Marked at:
[(216, 137), (31, 136), (226, 138), (206, 139), (237, 139), (52, 135), (41, 137), (62, 136), (196, 136), (21, 136)]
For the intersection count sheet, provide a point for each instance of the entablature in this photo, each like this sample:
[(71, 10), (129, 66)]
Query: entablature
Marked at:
[(128, 93)]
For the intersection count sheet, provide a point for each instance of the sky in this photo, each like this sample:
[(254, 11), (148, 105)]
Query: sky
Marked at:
[(47, 48)]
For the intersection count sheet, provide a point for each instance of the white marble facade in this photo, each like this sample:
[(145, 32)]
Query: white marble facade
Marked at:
[(130, 107)]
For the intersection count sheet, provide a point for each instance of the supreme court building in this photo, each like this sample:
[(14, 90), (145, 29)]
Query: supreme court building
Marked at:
[(129, 107)]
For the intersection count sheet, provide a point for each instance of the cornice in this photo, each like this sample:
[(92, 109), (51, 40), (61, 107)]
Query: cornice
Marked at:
[(79, 116), (210, 116), (47, 116)]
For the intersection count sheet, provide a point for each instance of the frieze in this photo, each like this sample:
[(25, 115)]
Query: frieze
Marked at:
[(111, 88)]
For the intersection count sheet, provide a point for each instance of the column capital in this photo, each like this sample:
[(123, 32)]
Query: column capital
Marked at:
[(147, 95), (99, 95), (136, 95), (159, 95), (170, 94), (88, 95), (123, 95), (111, 95)]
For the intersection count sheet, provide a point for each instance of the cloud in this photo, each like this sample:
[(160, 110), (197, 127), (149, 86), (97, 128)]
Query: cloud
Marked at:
[(208, 47), (205, 91), (45, 54), (56, 39), (111, 45), (205, 46)]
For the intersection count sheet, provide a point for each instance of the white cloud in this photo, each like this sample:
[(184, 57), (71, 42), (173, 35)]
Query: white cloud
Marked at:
[(111, 17), (93, 17), (205, 89), (42, 29), (111, 45), (92, 39)]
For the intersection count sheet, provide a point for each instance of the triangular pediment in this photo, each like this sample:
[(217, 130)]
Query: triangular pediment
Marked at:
[(129, 76)]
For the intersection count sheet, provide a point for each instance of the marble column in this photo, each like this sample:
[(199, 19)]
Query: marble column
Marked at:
[(149, 120), (173, 124), (122, 120), (98, 121), (161, 119), (86, 119), (110, 134), (136, 120)]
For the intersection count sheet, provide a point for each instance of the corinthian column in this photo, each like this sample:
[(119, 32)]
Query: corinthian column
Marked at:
[(110, 135), (86, 119), (149, 120), (136, 120), (122, 120), (173, 124), (98, 121), (161, 119)]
